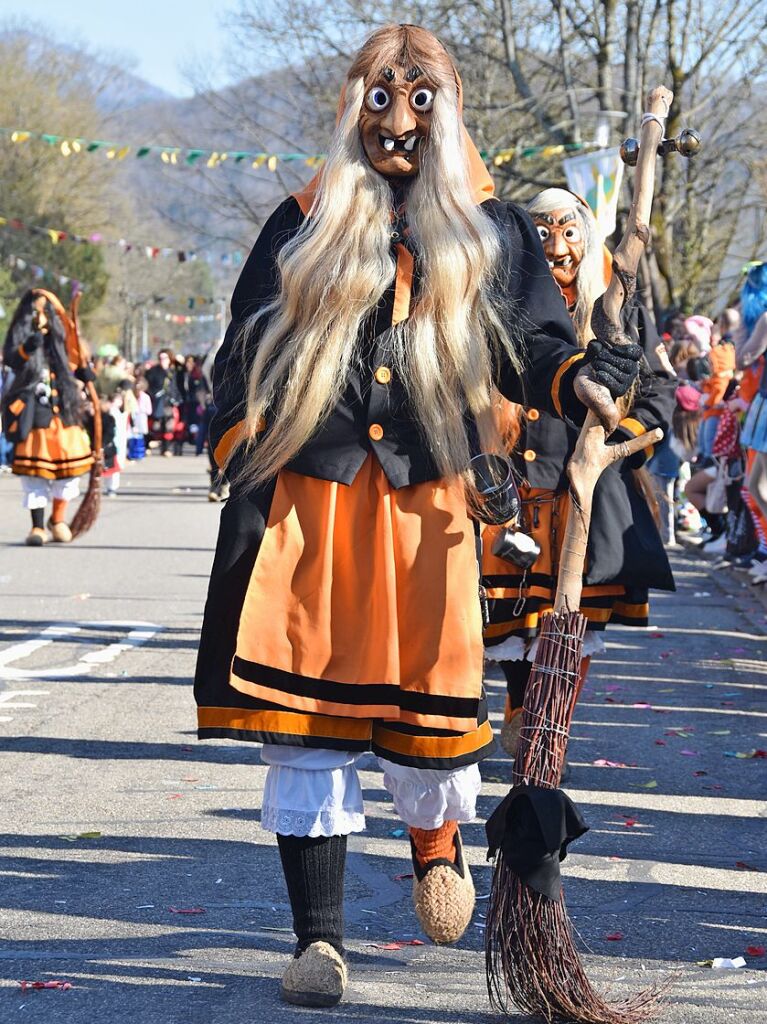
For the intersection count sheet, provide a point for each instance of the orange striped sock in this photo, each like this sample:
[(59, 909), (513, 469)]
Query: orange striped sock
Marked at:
[(59, 513), (435, 843), (508, 711)]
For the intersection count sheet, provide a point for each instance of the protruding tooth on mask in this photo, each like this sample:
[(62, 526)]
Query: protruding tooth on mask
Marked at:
[(410, 143), (389, 145)]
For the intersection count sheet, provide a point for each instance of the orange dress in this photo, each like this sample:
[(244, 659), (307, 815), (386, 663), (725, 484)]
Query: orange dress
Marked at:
[(361, 622), (343, 610), (55, 452), (45, 446)]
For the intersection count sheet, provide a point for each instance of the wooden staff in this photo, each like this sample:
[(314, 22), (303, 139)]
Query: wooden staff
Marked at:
[(532, 962), (592, 454)]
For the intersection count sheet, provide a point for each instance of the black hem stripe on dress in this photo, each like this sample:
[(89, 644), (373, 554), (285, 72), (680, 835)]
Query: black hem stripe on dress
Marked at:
[(261, 736), (335, 743), (351, 694)]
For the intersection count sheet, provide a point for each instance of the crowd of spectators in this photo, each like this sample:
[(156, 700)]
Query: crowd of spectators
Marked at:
[(708, 471), (160, 407)]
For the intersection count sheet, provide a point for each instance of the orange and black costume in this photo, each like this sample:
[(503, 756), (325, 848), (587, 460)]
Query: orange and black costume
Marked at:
[(342, 610), (42, 411), (625, 557)]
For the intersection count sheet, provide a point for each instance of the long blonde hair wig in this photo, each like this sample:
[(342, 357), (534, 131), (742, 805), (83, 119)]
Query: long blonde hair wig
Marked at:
[(590, 278), (339, 264)]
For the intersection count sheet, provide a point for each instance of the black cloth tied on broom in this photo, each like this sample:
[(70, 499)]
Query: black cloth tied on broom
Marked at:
[(533, 827)]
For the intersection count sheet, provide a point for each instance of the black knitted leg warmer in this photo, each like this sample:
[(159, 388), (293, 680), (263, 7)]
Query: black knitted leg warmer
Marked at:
[(517, 673), (38, 518), (314, 873)]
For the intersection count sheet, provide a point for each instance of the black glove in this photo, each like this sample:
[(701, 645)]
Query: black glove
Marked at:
[(85, 374), (615, 366), (614, 358), (33, 342)]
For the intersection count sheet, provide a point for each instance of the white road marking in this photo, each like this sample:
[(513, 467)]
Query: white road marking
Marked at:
[(9, 695), (137, 633), (27, 647)]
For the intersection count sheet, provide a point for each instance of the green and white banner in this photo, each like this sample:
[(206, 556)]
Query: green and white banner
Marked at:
[(596, 177)]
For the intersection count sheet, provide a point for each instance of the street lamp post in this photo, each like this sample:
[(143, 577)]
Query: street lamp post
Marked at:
[(222, 321), (144, 332)]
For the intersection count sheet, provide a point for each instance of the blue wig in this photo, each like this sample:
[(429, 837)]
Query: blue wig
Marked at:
[(753, 296)]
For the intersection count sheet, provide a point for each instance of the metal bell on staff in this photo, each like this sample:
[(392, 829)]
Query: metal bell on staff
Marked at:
[(687, 143)]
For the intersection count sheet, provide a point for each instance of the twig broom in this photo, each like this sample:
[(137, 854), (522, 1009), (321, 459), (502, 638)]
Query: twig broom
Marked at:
[(90, 506), (531, 958)]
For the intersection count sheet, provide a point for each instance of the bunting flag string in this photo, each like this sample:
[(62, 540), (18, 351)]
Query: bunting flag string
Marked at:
[(43, 273), (190, 301), (499, 157), (150, 252), (184, 156), (184, 318)]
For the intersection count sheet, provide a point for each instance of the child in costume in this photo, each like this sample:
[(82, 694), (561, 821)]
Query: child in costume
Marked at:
[(375, 315), (139, 422), (110, 444), (43, 412), (751, 349), (626, 556)]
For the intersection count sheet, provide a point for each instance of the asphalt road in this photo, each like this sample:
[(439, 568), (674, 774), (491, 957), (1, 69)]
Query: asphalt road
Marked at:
[(97, 648)]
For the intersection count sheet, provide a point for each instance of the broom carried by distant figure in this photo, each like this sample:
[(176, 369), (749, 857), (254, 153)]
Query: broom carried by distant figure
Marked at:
[(88, 511), (531, 959)]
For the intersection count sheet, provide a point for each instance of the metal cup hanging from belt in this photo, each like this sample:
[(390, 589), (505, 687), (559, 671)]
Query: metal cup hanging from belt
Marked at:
[(498, 504)]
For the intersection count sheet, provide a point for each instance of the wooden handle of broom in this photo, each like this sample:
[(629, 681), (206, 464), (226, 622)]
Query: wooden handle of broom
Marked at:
[(90, 387), (592, 454)]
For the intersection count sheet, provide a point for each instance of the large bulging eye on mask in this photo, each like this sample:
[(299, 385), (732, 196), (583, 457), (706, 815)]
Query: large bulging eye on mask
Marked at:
[(543, 232), (377, 99), (572, 234), (422, 100)]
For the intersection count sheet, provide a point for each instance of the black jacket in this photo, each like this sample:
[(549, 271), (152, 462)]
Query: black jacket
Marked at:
[(163, 390), (546, 443), (624, 545), (378, 404), (43, 385)]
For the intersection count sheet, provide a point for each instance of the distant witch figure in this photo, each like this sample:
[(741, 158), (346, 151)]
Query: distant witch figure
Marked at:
[(42, 412), (625, 555), (377, 313)]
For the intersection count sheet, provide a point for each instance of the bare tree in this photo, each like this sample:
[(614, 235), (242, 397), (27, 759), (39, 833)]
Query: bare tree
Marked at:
[(537, 73)]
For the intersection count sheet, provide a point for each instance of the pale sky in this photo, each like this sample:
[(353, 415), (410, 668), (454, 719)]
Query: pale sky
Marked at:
[(160, 34)]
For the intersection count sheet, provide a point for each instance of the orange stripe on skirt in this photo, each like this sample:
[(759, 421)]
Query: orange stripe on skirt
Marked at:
[(416, 749), (546, 520), (365, 585), (285, 722), (54, 452)]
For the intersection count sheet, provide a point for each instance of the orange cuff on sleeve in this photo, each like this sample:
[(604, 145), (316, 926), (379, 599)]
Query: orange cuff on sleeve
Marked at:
[(636, 428), (633, 426), (556, 383), (228, 441), (231, 439)]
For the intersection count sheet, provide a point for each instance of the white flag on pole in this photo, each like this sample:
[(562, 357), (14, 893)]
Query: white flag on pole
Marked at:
[(596, 177)]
